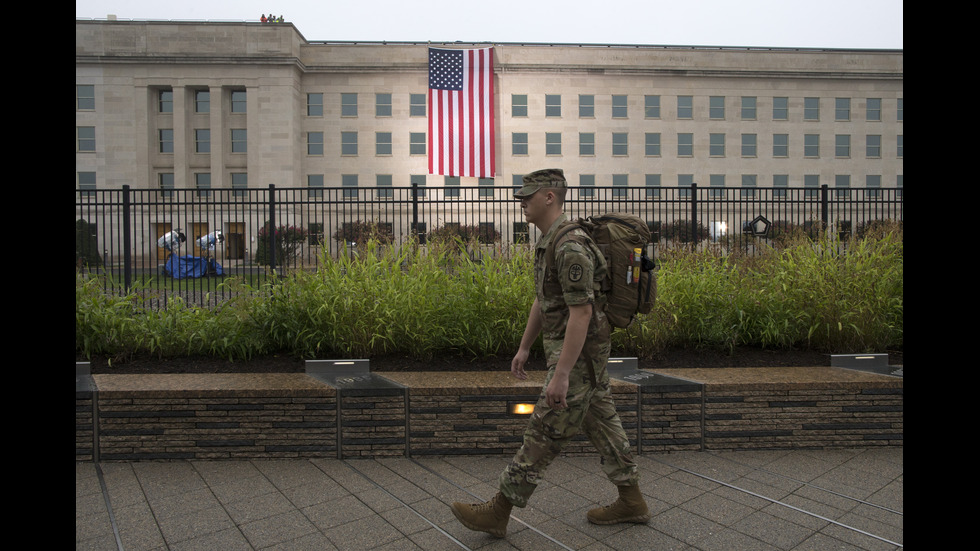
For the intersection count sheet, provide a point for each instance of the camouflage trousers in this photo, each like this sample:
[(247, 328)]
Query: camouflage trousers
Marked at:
[(590, 410)]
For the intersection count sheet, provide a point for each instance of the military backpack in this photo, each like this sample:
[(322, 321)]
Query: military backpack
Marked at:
[(630, 285)]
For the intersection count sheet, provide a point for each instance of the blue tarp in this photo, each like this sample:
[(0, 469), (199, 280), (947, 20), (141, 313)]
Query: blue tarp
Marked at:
[(180, 267)]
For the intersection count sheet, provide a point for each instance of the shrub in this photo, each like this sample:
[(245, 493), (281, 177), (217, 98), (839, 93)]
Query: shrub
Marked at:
[(421, 301)]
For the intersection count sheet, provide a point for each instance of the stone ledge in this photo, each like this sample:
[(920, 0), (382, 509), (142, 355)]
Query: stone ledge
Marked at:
[(224, 416)]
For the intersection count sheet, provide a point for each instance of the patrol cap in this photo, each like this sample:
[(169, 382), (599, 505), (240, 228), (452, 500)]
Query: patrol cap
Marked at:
[(541, 179)]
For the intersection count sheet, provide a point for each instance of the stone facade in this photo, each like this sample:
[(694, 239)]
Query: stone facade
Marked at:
[(727, 137)]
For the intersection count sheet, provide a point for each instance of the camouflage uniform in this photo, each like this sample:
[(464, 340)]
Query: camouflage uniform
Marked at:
[(580, 266)]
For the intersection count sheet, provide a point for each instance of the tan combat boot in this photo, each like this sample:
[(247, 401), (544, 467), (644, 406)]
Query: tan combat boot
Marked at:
[(630, 507), (491, 516)]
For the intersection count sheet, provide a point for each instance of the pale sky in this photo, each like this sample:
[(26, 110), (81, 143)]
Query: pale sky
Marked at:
[(876, 24)]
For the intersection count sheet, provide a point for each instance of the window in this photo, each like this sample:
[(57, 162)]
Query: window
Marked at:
[(521, 233), (873, 146), (873, 184), (843, 183), (518, 105), (486, 187), (86, 183), (84, 97), (382, 105), (202, 101), (811, 145), (239, 141), (748, 108), (811, 183), (518, 143), (239, 183), (842, 109), (202, 140), (716, 147), (621, 184), (166, 140), (348, 143), (651, 146), (717, 186), (716, 107), (451, 184), (749, 145), (651, 107), (315, 233), (416, 143), (620, 144), (417, 181), (586, 106), (842, 145), (900, 146), (382, 143), (314, 143), (619, 107), (749, 185), (416, 105), (811, 109), (348, 105), (166, 182), (779, 183), (780, 145), (552, 143), (780, 109), (314, 105), (873, 109), (685, 181), (314, 186), (685, 145), (202, 182), (349, 183), (586, 144), (384, 191), (85, 138), (238, 103), (586, 185), (552, 105), (165, 101), (652, 184), (685, 107), (900, 110)]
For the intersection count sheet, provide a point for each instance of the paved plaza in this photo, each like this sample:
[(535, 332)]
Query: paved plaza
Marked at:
[(848, 499)]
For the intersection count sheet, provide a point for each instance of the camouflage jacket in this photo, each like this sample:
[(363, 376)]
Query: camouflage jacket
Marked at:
[(575, 279)]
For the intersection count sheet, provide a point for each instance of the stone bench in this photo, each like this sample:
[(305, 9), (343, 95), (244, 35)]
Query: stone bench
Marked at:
[(303, 415)]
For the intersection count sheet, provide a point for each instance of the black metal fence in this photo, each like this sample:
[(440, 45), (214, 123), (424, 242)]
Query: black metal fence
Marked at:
[(186, 241)]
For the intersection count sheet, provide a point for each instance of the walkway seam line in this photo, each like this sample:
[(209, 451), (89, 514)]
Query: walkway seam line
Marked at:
[(108, 506), (407, 506), (778, 502), (539, 532)]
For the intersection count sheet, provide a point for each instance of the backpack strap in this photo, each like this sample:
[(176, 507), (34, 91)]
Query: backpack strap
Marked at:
[(561, 232)]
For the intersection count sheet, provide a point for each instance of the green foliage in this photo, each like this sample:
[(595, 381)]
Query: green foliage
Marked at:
[(287, 240), (421, 301)]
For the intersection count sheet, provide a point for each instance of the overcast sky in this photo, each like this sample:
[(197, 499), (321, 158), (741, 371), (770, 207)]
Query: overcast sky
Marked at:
[(761, 23)]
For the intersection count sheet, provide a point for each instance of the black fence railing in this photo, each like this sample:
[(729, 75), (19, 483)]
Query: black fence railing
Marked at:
[(184, 242)]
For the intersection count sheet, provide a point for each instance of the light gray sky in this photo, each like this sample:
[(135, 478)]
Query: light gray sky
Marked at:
[(760, 23)]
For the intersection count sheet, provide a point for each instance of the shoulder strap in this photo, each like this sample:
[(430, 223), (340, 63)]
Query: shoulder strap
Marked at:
[(559, 233)]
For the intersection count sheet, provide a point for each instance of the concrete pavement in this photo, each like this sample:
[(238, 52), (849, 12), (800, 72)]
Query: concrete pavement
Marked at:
[(726, 501)]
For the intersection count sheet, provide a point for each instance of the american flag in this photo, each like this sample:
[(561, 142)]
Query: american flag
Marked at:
[(461, 134)]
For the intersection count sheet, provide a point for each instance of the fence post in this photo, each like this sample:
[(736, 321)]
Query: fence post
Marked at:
[(127, 240), (694, 213), (272, 227), (825, 207), (415, 210)]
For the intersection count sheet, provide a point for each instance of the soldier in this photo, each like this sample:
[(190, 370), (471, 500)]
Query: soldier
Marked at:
[(568, 313)]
